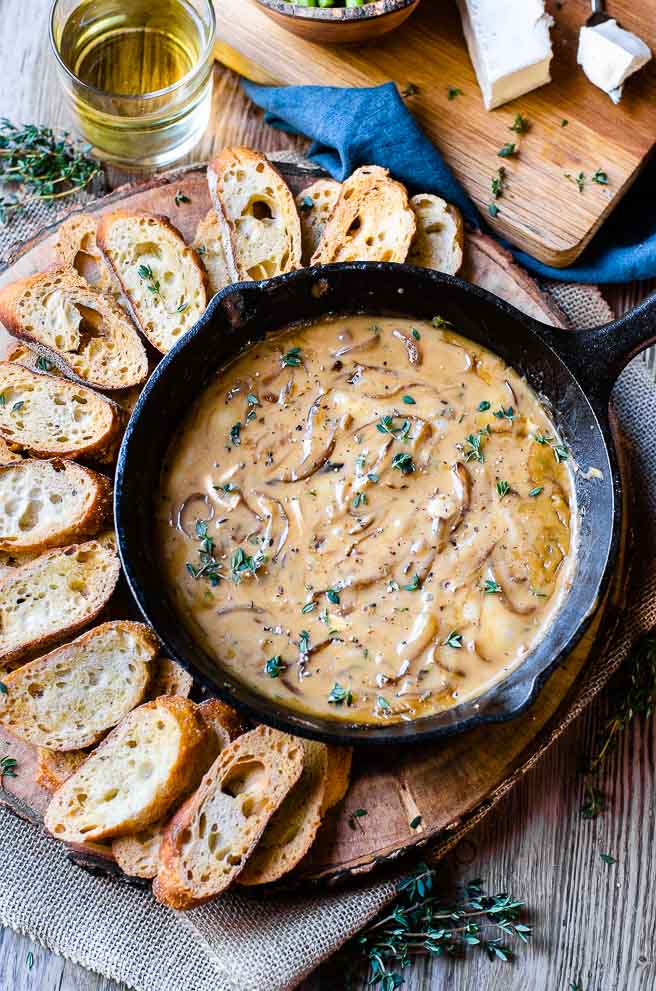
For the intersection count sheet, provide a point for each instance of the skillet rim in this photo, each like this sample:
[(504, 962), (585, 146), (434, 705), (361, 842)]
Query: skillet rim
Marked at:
[(260, 708)]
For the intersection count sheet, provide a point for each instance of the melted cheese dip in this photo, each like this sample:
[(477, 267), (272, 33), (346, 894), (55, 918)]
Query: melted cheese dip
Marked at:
[(367, 520)]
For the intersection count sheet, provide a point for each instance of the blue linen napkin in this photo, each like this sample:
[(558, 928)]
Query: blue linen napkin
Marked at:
[(371, 126)]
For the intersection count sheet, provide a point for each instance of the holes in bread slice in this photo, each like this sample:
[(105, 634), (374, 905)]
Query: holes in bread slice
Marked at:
[(247, 773)]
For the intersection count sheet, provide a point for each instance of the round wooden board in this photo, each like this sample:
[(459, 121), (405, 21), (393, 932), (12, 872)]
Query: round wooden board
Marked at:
[(444, 782)]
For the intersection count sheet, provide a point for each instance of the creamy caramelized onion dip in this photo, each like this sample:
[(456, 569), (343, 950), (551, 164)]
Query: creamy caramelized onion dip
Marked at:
[(367, 519)]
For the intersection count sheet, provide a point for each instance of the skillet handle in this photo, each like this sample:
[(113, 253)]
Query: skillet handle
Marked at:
[(597, 355)]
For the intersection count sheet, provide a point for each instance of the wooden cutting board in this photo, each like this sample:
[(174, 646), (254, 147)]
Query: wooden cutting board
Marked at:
[(443, 782), (541, 211)]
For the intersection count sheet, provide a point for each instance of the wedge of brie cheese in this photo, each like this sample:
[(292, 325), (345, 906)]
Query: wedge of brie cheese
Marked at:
[(509, 46), (609, 55)]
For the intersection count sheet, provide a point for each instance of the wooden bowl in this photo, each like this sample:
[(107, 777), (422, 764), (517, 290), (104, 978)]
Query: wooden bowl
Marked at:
[(339, 25)]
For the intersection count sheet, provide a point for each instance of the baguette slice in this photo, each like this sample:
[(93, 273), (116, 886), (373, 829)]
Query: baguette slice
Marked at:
[(210, 838), (161, 277), (223, 721), (54, 596), (54, 767), (338, 775), (82, 331), (210, 246), (257, 212), (170, 678), (315, 205), (69, 698), (77, 248), (372, 221), (439, 240), (293, 827), (134, 777), (49, 416), (47, 504)]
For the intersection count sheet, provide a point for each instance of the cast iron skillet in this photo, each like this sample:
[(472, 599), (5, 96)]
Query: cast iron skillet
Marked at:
[(573, 372)]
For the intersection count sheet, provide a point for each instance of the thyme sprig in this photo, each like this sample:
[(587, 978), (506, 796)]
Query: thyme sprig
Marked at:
[(422, 922), (8, 767), (40, 164), (209, 566), (638, 698)]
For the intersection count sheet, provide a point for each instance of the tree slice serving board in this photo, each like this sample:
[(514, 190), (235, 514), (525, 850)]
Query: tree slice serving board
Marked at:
[(442, 782), (541, 211)]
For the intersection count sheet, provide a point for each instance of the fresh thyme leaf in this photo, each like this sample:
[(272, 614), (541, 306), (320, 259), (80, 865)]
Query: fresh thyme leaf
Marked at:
[(536, 491), (600, 177), (520, 125), (413, 585), (243, 565), (29, 960), (354, 816), (416, 334), (333, 596), (307, 203), (382, 703), (415, 822), (579, 180), (304, 642), (274, 666), (575, 986), (43, 364), (358, 813), (607, 859), (393, 586), (339, 695), (492, 209), (3, 399), (291, 358), (252, 399), (182, 307), (484, 406), (145, 272), (509, 150), (541, 439), (181, 198), (490, 587), (472, 447), (453, 92), (3, 688), (505, 414), (18, 406), (411, 89), (235, 434), (386, 425), (439, 321), (8, 767), (360, 499), (454, 640), (497, 182), (560, 453), (404, 463), (409, 401), (373, 477), (503, 488), (309, 607)]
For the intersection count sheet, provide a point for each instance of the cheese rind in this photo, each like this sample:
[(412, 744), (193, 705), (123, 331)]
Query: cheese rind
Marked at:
[(608, 55), (509, 45)]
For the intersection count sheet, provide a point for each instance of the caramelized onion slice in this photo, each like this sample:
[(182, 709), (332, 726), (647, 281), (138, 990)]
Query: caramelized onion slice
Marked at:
[(196, 506)]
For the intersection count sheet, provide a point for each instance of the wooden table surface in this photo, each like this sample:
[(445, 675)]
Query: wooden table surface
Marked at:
[(594, 923)]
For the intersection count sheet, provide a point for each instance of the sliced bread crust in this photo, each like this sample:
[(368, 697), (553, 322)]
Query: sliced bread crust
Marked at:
[(7, 453), (76, 247), (338, 775), (134, 777), (293, 827), (315, 205), (54, 767), (160, 275), (371, 221), (257, 213), (47, 504), (83, 331), (210, 245), (54, 596), (49, 416), (71, 697), (439, 239), (169, 678), (210, 838)]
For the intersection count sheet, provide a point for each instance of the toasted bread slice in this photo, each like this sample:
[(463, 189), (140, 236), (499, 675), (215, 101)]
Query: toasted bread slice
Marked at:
[(80, 330), (338, 775), (293, 827), (223, 721), (169, 678), (210, 838), (256, 209), (10, 561), (210, 246), (52, 417), (138, 854), (47, 504), (134, 777), (71, 697), (372, 221), (54, 596), (439, 239), (161, 277), (315, 206), (25, 356), (76, 248), (54, 767)]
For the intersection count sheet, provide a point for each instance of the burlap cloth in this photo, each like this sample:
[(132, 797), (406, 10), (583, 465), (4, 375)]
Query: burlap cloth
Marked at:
[(241, 943)]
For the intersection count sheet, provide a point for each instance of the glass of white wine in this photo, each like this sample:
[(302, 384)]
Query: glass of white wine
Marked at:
[(138, 75)]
